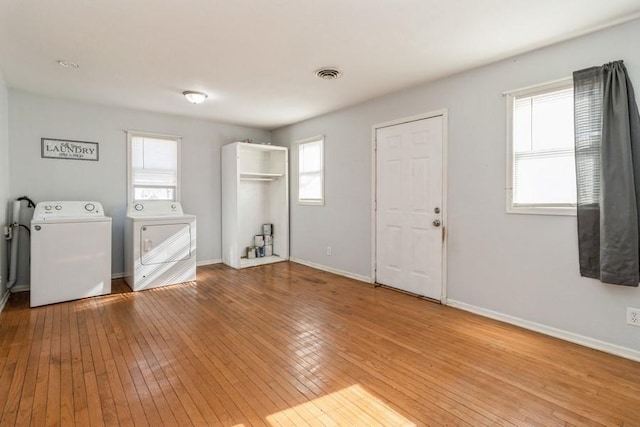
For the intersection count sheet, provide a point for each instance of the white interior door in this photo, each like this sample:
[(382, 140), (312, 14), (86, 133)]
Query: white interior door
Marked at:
[(409, 206)]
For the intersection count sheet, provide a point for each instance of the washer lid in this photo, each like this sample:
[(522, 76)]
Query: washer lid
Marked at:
[(70, 220), (76, 210)]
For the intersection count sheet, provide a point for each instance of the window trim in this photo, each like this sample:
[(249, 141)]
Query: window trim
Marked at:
[(130, 135), (510, 157), (311, 202)]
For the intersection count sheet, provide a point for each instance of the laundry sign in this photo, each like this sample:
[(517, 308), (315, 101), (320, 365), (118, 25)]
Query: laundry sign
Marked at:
[(67, 149)]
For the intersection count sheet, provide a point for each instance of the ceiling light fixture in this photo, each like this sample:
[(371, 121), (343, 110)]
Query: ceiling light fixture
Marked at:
[(195, 97), (328, 73), (68, 64)]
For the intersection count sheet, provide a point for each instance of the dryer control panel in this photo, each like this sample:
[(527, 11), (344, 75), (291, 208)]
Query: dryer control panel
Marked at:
[(67, 209), (154, 208)]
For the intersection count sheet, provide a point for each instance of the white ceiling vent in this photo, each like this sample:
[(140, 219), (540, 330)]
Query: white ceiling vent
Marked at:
[(328, 73)]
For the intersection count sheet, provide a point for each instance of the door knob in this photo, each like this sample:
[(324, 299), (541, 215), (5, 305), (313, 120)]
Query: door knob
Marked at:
[(436, 222)]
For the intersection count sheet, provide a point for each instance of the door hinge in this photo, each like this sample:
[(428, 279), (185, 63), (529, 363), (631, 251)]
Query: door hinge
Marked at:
[(443, 233)]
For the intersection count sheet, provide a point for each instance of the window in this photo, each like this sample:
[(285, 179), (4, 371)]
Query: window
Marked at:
[(541, 172), (153, 166), (311, 171)]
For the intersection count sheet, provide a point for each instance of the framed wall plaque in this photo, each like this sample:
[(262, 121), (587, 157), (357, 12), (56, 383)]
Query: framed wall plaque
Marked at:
[(69, 150)]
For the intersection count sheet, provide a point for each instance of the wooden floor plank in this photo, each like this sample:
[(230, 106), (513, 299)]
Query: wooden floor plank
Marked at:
[(66, 372), (80, 405), (139, 386), (18, 338), (125, 389), (289, 345), (15, 383), (27, 404), (52, 417)]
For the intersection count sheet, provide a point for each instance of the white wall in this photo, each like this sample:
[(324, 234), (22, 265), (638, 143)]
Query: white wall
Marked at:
[(4, 181), (521, 265), (32, 117)]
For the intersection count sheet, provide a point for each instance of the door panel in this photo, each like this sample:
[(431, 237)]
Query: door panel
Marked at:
[(165, 243), (394, 246), (394, 178), (408, 191), (419, 187)]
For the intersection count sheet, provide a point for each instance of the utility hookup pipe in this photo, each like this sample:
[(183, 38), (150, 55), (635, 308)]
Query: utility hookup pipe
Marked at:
[(13, 251)]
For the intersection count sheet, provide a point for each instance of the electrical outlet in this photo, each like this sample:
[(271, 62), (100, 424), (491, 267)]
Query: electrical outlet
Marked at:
[(329, 250), (633, 316)]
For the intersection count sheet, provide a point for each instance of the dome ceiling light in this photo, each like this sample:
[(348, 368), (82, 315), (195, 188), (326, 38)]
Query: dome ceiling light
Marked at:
[(195, 97), (67, 64)]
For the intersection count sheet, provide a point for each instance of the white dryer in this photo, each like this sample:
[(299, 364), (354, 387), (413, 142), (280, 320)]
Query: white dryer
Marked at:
[(160, 245), (70, 252)]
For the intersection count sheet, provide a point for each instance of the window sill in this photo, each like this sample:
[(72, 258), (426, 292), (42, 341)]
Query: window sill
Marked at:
[(311, 202), (530, 210)]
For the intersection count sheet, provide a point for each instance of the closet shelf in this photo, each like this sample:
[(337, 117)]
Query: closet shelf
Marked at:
[(259, 176)]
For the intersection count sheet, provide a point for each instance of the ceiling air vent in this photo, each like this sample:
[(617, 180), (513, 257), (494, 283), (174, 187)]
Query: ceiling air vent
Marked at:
[(328, 73)]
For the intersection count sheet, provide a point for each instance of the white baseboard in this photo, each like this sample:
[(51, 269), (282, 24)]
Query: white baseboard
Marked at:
[(25, 287), (208, 262), (593, 343), (3, 300), (332, 270), (117, 275)]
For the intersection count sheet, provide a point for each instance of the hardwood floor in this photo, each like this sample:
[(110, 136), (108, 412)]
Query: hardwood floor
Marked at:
[(285, 344)]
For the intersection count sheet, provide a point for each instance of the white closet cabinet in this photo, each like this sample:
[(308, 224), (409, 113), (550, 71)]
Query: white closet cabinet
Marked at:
[(255, 191)]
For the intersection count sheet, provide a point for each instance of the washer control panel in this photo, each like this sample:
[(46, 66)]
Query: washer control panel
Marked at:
[(154, 208), (68, 209)]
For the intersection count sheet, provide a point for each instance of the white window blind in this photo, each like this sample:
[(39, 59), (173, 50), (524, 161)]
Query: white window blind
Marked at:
[(543, 163), (310, 171), (154, 167)]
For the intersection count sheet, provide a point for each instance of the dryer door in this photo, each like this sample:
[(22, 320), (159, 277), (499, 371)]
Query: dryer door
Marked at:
[(164, 243)]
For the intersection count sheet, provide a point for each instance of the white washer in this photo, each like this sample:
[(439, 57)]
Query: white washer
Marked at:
[(70, 252), (160, 245)]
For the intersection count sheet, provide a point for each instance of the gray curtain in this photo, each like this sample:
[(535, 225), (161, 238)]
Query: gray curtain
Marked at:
[(607, 131)]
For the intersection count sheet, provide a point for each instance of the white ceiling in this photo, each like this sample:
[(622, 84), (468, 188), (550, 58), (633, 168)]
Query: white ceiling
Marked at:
[(255, 58)]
